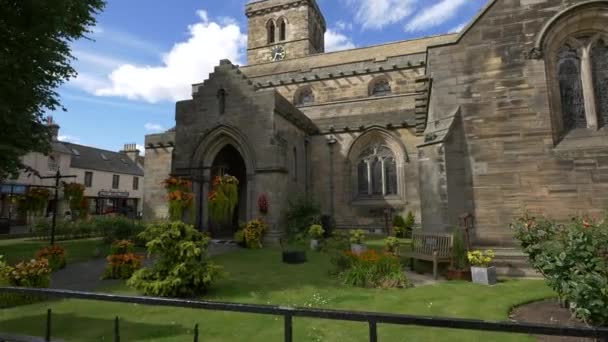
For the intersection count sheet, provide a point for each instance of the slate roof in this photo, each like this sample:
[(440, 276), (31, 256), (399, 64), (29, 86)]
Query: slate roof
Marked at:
[(86, 157)]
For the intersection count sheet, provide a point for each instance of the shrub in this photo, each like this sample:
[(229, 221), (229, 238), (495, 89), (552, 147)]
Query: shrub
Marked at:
[(117, 228), (357, 236), (302, 212), (573, 259), (481, 259), (8, 300), (373, 270), (34, 273), (253, 233), (460, 259), (122, 262), (55, 255), (316, 231), (182, 268), (391, 244), (223, 198)]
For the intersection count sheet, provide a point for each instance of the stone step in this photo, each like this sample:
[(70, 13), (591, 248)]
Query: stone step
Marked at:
[(517, 272), (511, 262)]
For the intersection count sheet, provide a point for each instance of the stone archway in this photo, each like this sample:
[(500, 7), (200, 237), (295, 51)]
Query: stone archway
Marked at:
[(229, 161)]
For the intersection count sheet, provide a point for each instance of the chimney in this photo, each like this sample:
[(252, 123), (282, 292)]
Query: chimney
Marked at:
[(53, 128), (131, 151)]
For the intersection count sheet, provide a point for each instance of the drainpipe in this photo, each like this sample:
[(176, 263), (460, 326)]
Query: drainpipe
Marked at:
[(306, 163), (331, 141)]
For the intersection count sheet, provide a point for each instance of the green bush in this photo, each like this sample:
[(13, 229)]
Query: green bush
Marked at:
[(302, 212), (182, 268), (460, 260), (402, 228), (357, 236), (122, 262), (373, 270), (573, 258)]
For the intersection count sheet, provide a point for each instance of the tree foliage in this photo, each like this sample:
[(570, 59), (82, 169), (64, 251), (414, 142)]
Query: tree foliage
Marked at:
[(35, 59)]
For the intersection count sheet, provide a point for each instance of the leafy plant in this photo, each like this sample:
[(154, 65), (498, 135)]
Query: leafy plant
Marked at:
[(33, 273), (357, 236), (481, 259), (122, 262), (180, 196), (253, 233), (182, 268), (302, 212), (402, 228), (223, 198), (373, 270), (55, 255), (75, 194), (391, 244), (460, 259), (316, 231)]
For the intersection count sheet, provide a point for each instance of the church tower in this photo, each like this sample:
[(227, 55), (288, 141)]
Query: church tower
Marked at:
[(284, 29)]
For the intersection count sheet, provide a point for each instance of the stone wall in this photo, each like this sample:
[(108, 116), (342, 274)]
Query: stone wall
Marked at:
[(514, 158), (159, 151)]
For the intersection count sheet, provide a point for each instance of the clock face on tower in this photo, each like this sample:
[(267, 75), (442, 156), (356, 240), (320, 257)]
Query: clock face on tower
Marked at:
[(277, 53)]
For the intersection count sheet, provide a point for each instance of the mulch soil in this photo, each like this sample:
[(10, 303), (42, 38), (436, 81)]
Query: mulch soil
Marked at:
[(548, 312)]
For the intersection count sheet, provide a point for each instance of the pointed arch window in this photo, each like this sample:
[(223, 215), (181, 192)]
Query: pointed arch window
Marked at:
[(304, 96), (282, 29), (221, 98), (271, 28), (380, 87), (377, 172), (582, 74)]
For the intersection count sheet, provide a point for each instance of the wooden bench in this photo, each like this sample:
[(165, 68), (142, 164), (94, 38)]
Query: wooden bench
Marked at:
[(433, 247)]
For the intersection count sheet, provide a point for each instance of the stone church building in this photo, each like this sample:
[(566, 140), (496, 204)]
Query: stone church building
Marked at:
[(511, 113)]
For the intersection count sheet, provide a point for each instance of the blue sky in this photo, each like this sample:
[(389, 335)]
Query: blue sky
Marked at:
[(144, 55)]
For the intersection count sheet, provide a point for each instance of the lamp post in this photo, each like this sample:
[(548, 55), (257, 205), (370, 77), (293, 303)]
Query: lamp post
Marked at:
[(57, 177)]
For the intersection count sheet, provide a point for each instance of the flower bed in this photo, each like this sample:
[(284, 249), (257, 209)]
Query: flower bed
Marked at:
[(122, 262), (55, 255), (370, 269)]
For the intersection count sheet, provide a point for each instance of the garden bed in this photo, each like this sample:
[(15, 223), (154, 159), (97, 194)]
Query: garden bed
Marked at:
[(548, 312)]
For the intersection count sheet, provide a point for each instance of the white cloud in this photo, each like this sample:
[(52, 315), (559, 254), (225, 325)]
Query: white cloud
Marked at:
[(344, 26), (435, 15), (153, 127), (458, 28), (376, 14), (335, 41), (141, 148), (69, 138), (97, 60), (187, 63)]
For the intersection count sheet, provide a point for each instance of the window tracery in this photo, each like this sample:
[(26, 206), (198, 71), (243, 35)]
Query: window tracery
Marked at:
[(377, 172)]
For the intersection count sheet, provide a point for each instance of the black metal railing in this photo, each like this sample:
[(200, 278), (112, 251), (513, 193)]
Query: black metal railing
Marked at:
[(288, 313)]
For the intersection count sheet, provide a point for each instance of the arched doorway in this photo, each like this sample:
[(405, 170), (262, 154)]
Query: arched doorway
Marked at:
[(229, 161)]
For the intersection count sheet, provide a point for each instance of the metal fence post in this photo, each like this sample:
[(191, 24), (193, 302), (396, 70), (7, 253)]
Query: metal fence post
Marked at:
[(288, 328), (196, 333), (373, 331), (47, 336), (116, 330)]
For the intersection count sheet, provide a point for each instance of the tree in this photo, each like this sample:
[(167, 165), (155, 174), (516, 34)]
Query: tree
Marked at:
[(35, 56)]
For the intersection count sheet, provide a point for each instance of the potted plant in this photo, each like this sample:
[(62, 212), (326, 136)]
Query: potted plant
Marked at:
[(316, 234), (459, 268), (391, 244), (481, 271), (356, 241)]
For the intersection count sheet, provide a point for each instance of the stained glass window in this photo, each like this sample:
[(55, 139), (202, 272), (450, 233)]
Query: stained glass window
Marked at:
[(571, 89), (381, 88), (305, 96), (599, 56), (390, 176), (382, 172)]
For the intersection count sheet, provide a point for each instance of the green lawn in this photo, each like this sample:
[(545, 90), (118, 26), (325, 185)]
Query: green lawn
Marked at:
[(18, 250), (260, 277)]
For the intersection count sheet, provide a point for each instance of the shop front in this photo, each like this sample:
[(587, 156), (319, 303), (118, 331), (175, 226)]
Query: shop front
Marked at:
[(110, 202)]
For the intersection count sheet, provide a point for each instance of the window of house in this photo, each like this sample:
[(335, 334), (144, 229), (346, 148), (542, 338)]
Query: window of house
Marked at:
[(88, 179), (53, 162), (381, 87), (304, 96), (582, 74), (377, 172), (271, 31), (135, 183), (282, 29), (115, 181)]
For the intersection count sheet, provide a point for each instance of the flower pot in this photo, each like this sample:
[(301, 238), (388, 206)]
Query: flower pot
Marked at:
[(457, 274), (314, 244), (358, 248), (484, 275), (294, 257)]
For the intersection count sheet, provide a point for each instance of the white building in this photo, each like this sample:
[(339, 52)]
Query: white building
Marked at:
[(113, 180)]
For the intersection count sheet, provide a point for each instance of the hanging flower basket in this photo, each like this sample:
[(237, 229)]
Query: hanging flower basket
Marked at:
[(263, 204), (180, 196), (223, 198)]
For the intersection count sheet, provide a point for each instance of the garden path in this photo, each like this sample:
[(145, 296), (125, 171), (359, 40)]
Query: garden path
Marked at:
[(86, 276)]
